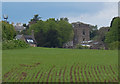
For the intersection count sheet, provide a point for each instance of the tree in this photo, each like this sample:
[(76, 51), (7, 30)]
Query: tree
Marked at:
[(8, 31), (66, 31), (113, 36), (93, 32), (34, 20), (114, 32), (24, 25), (25, 31), (65, 19), (52, 38), (52, 33)]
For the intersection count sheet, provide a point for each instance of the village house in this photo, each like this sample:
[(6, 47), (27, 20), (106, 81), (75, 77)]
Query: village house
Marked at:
[(19, 27), (28, 39)]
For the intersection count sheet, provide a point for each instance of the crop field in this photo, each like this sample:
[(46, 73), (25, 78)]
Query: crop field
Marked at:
[(59, 65)]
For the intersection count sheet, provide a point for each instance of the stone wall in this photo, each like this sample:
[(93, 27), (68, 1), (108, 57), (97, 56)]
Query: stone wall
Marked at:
[(81, 32)]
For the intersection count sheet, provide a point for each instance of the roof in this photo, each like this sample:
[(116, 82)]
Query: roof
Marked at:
[(19, 28), (18, 36), (28, 38)]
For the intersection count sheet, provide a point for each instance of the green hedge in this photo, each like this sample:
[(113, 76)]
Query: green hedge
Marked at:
[(114, 45), (14, 44)]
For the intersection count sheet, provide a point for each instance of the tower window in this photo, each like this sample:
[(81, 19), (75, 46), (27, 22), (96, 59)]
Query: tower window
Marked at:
[(83, 32), (83, 39)]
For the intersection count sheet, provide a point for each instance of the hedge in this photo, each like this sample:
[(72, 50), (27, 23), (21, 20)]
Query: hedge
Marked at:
[(14, 44)]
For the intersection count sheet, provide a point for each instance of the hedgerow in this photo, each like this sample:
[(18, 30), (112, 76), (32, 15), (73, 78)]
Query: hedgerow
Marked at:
[(14, 44)]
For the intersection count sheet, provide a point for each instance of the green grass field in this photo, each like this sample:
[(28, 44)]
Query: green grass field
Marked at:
[(59, 65)]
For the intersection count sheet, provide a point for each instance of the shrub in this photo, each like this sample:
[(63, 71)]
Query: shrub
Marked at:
[(114, 45), (8, 31), (14, 44)]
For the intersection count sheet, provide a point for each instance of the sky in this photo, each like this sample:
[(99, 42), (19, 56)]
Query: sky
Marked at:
[(59, 0), (94, 13)]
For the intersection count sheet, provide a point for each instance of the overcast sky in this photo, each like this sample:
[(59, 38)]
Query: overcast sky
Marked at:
[(95, 13)]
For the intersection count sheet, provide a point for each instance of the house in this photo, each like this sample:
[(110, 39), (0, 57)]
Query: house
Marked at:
[(28, 39), (19, 27)]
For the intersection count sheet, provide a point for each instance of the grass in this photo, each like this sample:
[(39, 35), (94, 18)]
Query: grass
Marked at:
[(59, 65)]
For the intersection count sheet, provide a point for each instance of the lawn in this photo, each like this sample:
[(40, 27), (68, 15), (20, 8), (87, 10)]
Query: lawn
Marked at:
[(59, 65)]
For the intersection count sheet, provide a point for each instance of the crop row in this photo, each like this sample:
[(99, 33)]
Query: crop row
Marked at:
[(74, 73)]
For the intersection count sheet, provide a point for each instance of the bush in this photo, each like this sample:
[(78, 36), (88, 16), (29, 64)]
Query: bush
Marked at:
[(82, 47), (14, 44), (114, 45), (8, 31)]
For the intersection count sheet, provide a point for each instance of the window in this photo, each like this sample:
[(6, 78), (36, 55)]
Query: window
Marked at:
[(29, 40), (83, 32), (83, 39)]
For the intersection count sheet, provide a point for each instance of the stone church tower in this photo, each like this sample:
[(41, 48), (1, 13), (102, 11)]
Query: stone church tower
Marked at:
[(81, 32)]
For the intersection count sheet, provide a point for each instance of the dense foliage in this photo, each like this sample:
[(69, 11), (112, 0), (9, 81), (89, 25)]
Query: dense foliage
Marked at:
[(93, 32), (52, 33), (8, 31), (114, 45), (8, 35), (112, 36), (14, 44), (36, 18)]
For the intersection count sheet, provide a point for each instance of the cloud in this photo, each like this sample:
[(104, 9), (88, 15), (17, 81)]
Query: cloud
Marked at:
[(100, 18)]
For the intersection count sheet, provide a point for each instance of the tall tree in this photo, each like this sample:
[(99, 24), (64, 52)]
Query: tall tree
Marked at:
[(114, 32), (35, 19), (8, 31), (52, 33), (65, 19)]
